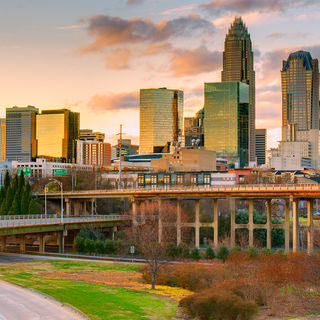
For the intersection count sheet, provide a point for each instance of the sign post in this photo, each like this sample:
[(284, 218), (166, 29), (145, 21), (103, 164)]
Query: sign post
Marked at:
[(26, 171)]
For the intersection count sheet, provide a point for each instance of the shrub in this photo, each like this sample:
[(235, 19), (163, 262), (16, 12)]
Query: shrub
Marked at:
[(79, 244), (223, 253), (109, 247), (253, 252), (219, 304), (171, 250), (266, 251), (99, 247), (89, 245), (235, 249), (195, 254), (209, 253), (183, 251)]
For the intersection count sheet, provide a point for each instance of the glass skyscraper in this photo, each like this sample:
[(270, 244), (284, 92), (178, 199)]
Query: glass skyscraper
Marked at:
[(57, 132), (21, 133), (226, 121), (300, 91), (161, 119), (238, 66)]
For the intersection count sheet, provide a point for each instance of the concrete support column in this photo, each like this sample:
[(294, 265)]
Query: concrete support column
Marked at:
[(268, 225), (178, 222), (287, 226), (61, 241), (250, 226), (232, 222), (160, 222), (3, 243), (134, 213), (215, 223), (114, 231), (197, 223), (68, 207), (310, 226), (92, 206), (42, 243), (22, 243), (76, 208), (295, 228), (84, 208)]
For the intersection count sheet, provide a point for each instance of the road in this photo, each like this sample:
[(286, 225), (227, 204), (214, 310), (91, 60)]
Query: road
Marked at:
[(17, 303)]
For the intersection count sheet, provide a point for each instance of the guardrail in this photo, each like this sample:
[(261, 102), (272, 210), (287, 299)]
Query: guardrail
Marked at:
[(42, 220)]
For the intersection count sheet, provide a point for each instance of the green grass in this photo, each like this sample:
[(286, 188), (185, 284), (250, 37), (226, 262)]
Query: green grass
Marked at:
[(94, 300)]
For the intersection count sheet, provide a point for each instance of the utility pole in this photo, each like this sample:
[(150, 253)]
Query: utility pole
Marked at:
[(120, 154)]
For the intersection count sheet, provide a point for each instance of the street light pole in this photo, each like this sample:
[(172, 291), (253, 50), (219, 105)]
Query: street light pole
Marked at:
[(120, 154), (61, 187)]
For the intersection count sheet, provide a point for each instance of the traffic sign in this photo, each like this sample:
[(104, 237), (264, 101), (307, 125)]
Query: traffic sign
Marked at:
[(46, 189), (60, 172), (26, 171)]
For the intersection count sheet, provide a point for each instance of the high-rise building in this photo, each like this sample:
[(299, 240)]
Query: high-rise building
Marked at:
[(193, 130), (261, 145), (226, 121), (126, 148), (57, 132), (300, 91), (238, 66), (94, 153), (161, 119), (89, 135), (3, 139), (21, 133)]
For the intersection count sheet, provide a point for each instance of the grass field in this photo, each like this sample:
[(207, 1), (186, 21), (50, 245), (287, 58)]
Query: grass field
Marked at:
[(97, 301)]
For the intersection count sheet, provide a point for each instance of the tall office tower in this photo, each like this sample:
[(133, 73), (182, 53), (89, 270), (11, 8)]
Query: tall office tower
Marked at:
[(226, 121), (3, 139), (21, 133), (89, 135), (161, 119), (238, 66), (261, 145), (57, 132), (193, 130), (300, 91)]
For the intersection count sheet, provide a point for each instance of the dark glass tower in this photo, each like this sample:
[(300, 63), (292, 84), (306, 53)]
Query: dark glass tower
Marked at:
[(238, 66)]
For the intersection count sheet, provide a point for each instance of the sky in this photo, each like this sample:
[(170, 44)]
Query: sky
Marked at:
[(93, 56)]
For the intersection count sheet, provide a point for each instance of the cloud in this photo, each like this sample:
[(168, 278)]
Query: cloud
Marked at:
[(275, 35), (114, 102), (190, 62), (111, 31), (71, 27), (119, 59), (133, 2)]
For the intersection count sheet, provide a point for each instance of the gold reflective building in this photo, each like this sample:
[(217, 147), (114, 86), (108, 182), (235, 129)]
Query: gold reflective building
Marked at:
[(57, 132), (3, 139), (226, 121), (161, 119)]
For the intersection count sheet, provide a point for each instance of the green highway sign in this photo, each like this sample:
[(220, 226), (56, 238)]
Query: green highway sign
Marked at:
[(26, 171), (60, 172)]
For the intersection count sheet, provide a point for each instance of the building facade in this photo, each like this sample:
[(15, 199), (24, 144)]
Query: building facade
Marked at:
[(261, 146), (193, 130), (56, 133), (94, 153), (300, 91), (238, 65), (226, 122), (161, 119), (21, 133), (3, 139), (89, 135)]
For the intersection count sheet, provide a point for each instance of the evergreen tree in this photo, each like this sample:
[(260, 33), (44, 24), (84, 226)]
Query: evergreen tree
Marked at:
[(3, 208), (25, 201), (21, 182), (14, 184), (9, 198), (15, 207), (6, 180), (33, 208)]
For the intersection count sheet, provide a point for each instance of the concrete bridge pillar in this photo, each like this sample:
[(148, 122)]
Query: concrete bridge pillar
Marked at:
[(114, 231), (134, 213), (22, 243), (84, 208), (287, 226), (269, 224), (42, 243), (92, 206), (251, 227), (295, 227), (4, 243), (310, 226), (160, 221), (215, 223), (61, 235), (68, 207), (232, 222), (197, 223), (178, 221), (76, 205)]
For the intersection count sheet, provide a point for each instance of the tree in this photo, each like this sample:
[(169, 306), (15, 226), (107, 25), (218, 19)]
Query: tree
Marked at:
[(25, 201), (7, 180), (209, 253), (223, 253), (21, 183), (33, 208), (9, 198), (15, 207)]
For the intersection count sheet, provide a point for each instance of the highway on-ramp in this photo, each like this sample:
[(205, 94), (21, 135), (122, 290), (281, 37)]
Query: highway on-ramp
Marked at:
[(17, 303)]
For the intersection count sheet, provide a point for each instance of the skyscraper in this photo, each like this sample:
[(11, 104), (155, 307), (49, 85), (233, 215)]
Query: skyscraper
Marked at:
[(193, 130), (238, 66), (161, 119), (226, 121), (261, 145), (21, 133), (300, 91), (57, 132)]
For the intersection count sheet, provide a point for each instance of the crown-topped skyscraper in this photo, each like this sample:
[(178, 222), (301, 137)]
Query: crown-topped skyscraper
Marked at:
[(238, 66)]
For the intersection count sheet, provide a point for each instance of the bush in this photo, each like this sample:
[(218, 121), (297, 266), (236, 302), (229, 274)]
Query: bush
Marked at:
[(209, 253), (99, 247), (235, 249), (183, 251), (223, 253), (266, 251), (109, 247), (253, 252), (89, 245), (78, 244), (195, 254), (171, 250), (219, 304)]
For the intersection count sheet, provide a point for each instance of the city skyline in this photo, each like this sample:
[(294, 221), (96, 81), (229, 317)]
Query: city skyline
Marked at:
[(94, 58)]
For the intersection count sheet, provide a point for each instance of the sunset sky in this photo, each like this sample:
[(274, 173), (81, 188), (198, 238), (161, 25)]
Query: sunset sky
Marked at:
[(93, 56)]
